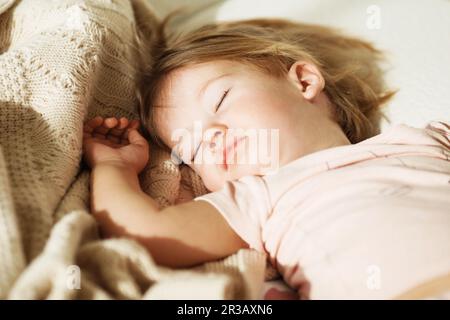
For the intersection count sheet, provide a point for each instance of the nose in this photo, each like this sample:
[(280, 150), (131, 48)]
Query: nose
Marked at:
[(215, 139)]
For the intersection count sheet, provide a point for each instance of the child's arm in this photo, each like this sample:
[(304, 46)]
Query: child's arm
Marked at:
[(178, 236)]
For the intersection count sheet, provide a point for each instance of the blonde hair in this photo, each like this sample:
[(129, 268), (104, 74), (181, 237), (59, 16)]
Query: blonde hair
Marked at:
[(350, 67)]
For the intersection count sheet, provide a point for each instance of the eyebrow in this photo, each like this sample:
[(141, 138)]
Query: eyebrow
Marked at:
[(205, 86)]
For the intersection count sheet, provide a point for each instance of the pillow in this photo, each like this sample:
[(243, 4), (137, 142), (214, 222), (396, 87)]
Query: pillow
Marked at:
[(5, 5), (414, 36)]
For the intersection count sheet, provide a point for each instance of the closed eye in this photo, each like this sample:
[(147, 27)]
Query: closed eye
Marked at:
[(217, 108), (221, 100)]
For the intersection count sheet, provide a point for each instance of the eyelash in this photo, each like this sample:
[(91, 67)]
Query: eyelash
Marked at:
[(221, 99)]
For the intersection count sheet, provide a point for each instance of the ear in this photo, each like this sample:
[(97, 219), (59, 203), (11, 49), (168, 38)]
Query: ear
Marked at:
[(307, 77)]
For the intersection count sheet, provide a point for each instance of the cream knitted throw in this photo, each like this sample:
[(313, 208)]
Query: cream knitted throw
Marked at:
[(62, 62)]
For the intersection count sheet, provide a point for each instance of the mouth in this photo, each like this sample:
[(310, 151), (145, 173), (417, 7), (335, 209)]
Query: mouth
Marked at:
[(229, 151)]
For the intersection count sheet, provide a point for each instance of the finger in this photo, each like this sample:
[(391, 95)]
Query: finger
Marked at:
[(120, 129), (123, 123), (93, 123), (134, 124), (107, 125), (110, 122), (135, 138)]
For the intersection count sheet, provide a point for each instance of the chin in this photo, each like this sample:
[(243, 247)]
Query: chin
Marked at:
[(234, 173), (218, 183), (216, 186)]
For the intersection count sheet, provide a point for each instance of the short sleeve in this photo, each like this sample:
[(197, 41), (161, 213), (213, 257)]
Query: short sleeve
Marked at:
[(245, 205)]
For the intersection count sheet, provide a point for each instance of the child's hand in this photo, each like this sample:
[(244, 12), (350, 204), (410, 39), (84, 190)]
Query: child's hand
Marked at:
[(116, 141)]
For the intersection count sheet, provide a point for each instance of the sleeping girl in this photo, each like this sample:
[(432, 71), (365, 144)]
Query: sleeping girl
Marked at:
[(340, 210)]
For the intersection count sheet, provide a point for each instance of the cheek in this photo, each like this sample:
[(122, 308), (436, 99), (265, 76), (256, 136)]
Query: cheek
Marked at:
[(280, 113), (263, 110), (211, 178)]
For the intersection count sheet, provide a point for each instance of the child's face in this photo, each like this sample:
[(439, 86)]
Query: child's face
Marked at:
[(240, 121)]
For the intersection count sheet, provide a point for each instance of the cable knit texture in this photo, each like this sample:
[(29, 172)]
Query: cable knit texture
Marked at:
[(62, 62)]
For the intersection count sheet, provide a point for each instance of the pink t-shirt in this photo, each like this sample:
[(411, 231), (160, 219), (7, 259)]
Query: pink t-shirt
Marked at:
[(369, 220)]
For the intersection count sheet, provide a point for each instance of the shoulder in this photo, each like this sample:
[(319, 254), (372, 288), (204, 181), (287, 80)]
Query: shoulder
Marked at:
[(434, 133)]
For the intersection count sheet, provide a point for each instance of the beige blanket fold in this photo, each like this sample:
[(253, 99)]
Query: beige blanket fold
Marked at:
[(62, 62)]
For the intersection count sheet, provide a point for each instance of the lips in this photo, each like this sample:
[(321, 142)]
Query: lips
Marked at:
[(230, 150)]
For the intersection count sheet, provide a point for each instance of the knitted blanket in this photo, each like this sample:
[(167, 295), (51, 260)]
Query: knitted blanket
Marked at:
[(62, 62)]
